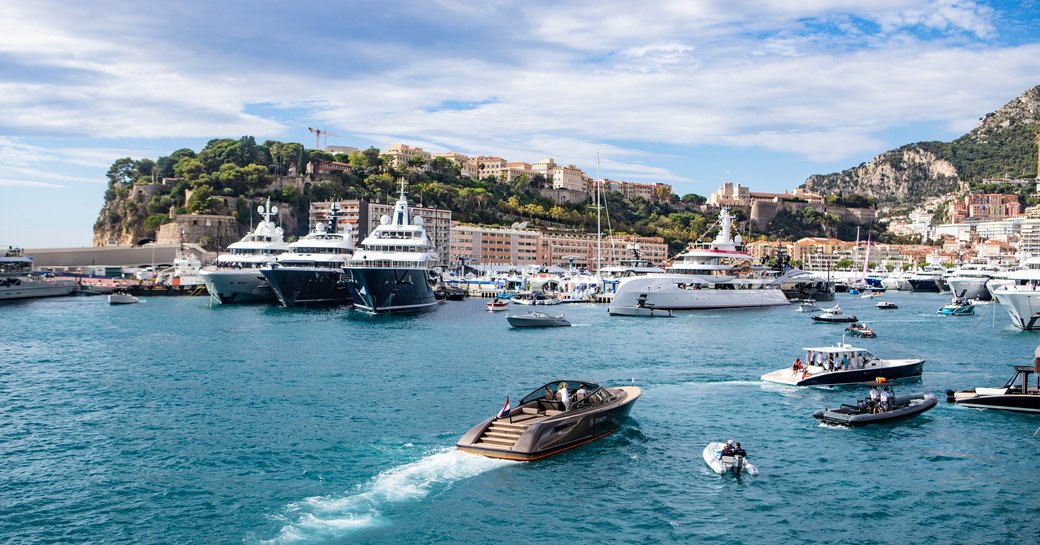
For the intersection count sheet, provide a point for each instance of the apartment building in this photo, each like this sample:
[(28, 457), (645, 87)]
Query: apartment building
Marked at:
[(401, 154), (465, 164), (985, 206), (564, 248), (494, 245)]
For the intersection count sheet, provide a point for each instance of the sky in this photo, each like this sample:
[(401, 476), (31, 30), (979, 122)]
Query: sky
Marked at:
[(690, 93)]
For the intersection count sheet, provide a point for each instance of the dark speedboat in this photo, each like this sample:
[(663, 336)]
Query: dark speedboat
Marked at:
[(824, 366), (834, 315), (541, 426), (862, 413), (1017, 395)]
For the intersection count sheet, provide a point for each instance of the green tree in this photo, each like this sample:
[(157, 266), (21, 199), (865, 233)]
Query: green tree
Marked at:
[(189, 168), (202, 201), (122, 172), (152, 223)]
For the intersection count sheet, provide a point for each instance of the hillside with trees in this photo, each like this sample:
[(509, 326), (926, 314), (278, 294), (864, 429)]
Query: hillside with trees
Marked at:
[(229, 176)]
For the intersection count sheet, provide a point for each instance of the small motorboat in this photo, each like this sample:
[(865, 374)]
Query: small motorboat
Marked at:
[(886, 305), (825, 366), (122, 298), (542, 425), (957, 307), (853, 291), (726, 464), (537, 319), (640, 311), (497, 304), (860, 329), (864, 411), (1016, 395), (807, 305), (834, 315)]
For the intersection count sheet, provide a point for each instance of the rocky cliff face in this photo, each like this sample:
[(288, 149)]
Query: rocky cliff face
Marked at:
[(1002, 143)]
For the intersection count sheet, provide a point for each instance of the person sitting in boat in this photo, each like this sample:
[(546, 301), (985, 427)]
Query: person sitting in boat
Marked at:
[(797, 365), (581, 393), (737, 451), (885, 400), (564, 395), (727, 449)]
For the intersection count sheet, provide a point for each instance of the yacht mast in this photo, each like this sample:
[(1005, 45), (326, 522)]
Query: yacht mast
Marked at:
[(599, 236)]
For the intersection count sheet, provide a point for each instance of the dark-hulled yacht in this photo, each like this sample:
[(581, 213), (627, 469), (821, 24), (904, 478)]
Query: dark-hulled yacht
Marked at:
[(392, 269), (311, 272), (1017, 395), (541, 425)]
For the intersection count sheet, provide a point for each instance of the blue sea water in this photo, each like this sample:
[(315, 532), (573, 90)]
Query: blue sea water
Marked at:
[(174, 422)]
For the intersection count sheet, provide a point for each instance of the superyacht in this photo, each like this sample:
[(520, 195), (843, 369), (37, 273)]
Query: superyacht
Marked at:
[(715, 275), (236, 277), (311, 272), (392, 270), (1021, 297)]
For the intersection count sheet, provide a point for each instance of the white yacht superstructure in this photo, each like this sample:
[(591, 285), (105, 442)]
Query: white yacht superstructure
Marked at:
[(235, 276), (714, 275)]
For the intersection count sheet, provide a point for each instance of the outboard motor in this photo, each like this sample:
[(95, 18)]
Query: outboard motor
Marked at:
[(738, 464)]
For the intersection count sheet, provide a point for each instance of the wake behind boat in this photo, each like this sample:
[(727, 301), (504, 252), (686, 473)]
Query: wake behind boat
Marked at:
[(843, 364), (555, 417)]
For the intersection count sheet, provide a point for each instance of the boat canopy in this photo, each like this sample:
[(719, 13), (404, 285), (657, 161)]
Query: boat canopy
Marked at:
[(846, 349), (572, 385)]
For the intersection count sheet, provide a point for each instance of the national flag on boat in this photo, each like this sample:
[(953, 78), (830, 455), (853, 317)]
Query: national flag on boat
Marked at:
[(505, 409)]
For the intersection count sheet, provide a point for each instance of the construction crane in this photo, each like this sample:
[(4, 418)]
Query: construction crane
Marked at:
[(317, 136)]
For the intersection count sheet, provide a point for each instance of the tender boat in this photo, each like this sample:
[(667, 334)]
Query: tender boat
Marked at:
[(807, 305), (958, 307), (122, 298), (541, 425), (864, 367), (860, 329), (834, 315), (1017, 395), (889, 305), (862, 413), (640, 311), (537, 319), (497, 305), (726, 464)]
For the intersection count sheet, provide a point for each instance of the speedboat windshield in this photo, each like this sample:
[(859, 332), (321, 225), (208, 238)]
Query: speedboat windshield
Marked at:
[(572, 385)]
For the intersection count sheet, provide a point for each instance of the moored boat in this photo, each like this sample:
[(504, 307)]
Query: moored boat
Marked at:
[(865, 412), (19, 281), (235, 277), (547, 422), (311, 272), (1016, 395), (826, 366)]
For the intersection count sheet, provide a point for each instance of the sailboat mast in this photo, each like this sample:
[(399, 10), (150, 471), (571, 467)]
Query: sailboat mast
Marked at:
[(599, 209)]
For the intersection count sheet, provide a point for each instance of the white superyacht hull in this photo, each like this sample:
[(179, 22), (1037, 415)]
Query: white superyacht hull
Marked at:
[(972, 287), (238, 286), (1022, 305), (677, 292)]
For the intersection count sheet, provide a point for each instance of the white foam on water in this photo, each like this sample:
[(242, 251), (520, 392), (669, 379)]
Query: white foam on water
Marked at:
[(322, 518)]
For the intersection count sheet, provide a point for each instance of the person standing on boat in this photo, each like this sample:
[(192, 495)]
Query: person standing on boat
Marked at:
[(564, 395), (797, 365), (1036, 359), (845, 361), (874, 397), (886, 400)]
